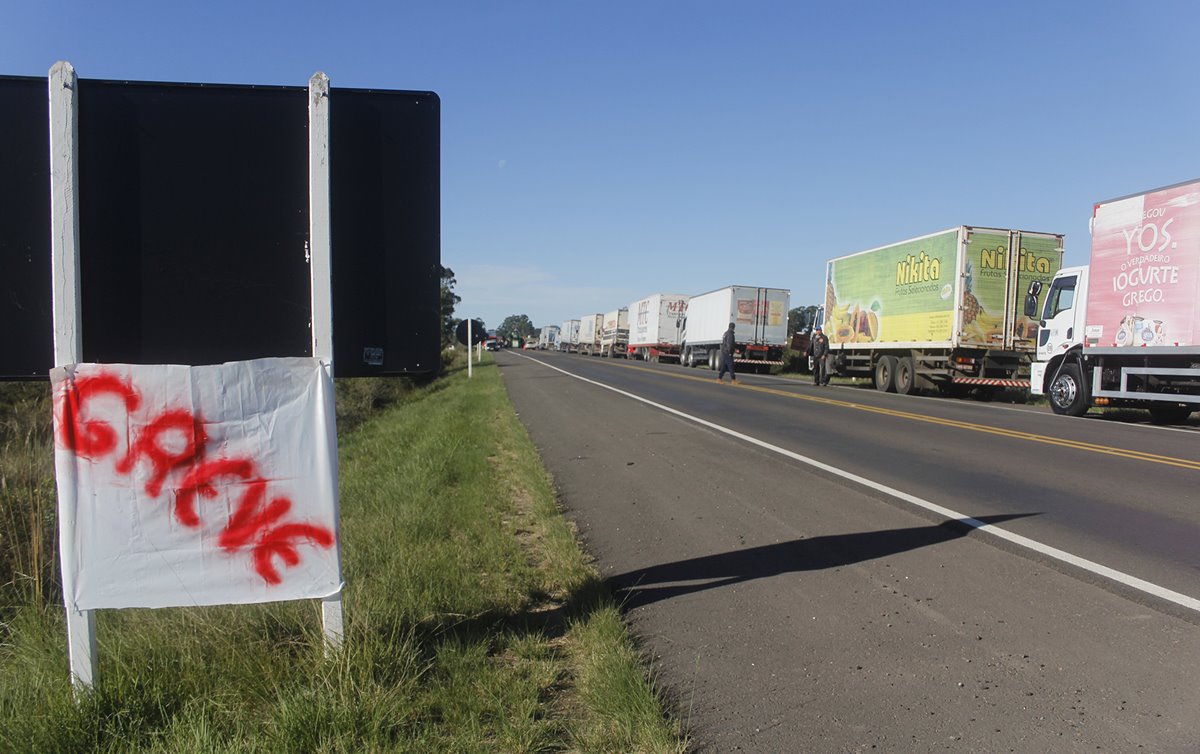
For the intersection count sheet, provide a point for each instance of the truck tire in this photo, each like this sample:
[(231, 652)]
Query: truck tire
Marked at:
[(1067, 392), (885, 374), (906, 375), (687, 358), (712, 361), (1169, 413)]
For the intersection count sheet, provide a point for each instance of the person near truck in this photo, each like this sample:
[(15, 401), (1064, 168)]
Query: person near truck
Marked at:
[(727, 357), (818, 350)]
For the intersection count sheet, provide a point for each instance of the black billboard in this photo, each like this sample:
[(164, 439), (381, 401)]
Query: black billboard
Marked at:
[(26, 314), (194, 226)]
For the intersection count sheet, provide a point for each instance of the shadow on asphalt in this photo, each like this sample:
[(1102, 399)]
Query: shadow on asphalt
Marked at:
[(648, 585)]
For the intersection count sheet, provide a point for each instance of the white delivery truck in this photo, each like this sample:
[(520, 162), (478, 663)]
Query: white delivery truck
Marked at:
[(568, 336), (614, 334), (759, 316), (654, 324), (1125, 330), (939, 311), (548, 338), (590, 327)]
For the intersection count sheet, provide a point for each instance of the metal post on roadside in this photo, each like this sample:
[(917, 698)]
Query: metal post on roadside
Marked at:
[(470, 356)]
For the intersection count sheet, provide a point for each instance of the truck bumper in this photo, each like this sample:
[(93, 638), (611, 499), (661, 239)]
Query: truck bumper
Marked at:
[(1037, 377), (989, 382)]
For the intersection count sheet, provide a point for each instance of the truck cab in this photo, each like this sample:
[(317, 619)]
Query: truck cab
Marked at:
[(1060, 336)]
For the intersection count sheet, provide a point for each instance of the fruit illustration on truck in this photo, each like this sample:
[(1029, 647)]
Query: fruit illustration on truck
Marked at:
[(938, 311), (1125, 330)]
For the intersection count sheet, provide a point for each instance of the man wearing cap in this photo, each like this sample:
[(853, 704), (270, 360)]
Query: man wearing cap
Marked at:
[(818, 349)]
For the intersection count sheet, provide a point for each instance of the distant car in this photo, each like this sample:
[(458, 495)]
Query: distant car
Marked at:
[(492, 345)]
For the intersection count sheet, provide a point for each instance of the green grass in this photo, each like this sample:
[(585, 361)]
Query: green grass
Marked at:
[(473, 621)]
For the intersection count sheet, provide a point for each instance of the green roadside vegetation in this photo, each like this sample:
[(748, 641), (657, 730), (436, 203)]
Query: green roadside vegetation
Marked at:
[(474, 623)]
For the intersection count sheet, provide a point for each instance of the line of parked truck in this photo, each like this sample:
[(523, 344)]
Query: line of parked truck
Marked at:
[(967, 309)]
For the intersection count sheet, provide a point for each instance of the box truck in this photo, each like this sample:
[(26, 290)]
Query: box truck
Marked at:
[(759, 316), (1125, 329), (941, 311), (614, 334), (590, 327), (548, 338), (568, 336), (654, 326)]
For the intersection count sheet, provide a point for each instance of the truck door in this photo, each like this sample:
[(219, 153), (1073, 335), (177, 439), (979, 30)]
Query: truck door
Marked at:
[(758, 317), (1036, 256), (1057, 327)]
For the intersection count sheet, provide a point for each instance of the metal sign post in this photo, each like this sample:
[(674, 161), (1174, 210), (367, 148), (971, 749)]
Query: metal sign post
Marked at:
[(320, 266), (68, 349)]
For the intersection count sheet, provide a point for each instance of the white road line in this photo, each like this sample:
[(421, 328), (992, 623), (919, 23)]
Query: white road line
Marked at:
[(1090, 566)]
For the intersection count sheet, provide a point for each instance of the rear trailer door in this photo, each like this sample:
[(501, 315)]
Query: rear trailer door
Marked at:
[(1039, 257), (985, 310)]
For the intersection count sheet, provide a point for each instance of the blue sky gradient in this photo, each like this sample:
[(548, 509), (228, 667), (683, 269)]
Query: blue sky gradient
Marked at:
[(595, 153)]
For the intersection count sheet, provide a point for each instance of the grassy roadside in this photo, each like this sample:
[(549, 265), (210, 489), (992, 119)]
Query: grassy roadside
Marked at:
[(474, 622)]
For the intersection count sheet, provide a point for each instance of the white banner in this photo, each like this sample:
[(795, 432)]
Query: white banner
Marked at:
[(197, 485)]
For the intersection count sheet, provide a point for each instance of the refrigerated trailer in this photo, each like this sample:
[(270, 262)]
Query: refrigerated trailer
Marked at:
[(590, 327), (654, 326), (759, 316), (614, 334), (940, 311), (568, 336)]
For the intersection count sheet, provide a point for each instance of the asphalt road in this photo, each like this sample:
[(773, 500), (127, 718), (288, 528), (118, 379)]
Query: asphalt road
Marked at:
[(793, 560)]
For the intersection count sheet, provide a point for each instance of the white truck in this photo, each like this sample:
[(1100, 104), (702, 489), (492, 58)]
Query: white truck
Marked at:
[(759, 316), (614, 334), (590, 327), (654, 326), (939, 311), (1125, 330), (548, 338), (568, 336)]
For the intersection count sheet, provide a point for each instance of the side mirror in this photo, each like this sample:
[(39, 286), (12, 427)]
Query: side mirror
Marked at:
[(1031, 298), (1031, 305)]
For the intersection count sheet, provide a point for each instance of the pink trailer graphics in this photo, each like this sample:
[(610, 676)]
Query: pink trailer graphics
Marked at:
[(1145, 271)]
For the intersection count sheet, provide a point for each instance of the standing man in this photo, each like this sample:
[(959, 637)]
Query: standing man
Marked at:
[(818, 349), (727, 357)]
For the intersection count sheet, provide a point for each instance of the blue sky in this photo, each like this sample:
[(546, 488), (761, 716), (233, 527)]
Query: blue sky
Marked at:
[(595, 153)]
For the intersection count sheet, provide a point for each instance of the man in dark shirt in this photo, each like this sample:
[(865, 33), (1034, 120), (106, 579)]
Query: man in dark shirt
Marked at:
[(818, 349), (727, 357)]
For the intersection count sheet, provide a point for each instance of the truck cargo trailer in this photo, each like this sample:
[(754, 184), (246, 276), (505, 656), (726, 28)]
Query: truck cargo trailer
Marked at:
[(940, 311), (654, 326), (614, 334), (759, 316), (590, 328), (568, 336)]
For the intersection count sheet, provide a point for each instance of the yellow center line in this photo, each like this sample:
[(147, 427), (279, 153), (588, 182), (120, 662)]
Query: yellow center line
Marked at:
[(1136, 455)]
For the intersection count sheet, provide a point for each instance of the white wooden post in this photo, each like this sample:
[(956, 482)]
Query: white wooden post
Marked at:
[(320, 270), (68, 348)]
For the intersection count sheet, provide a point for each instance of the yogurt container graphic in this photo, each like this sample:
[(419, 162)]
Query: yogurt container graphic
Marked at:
[(1139, 331)]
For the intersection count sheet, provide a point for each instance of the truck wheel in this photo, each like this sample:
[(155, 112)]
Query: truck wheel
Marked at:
[(885, 373), (1067, 393), (686, 359), (1169, 413), (906, 378), (712, 361)]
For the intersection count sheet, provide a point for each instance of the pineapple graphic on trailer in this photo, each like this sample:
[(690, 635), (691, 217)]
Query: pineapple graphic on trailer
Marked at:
[(978, 325), (971, 306)]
